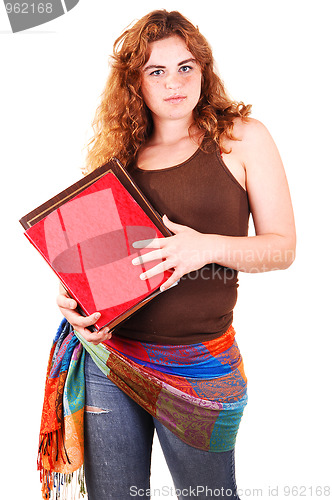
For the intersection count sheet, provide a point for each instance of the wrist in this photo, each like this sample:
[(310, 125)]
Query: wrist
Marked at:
[(214, 249)]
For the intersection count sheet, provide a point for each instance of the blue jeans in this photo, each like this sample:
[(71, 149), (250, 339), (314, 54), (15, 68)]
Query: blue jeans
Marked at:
[(118, 445)]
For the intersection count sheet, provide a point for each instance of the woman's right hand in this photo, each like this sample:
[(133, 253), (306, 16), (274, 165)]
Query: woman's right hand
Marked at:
[(68, 308)]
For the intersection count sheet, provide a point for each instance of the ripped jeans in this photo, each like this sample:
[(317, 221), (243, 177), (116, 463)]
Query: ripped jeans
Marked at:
[(118, 445)]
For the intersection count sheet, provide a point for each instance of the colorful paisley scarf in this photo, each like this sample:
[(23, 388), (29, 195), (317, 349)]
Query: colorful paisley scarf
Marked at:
[(198, 391)]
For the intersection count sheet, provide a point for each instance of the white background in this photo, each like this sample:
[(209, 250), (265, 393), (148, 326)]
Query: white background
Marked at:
[(273, 54)]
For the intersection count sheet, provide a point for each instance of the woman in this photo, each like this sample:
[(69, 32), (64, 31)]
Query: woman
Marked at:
[(205, 165)]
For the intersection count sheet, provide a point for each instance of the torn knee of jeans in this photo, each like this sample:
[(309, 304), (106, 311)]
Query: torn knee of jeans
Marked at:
[(94, 409)]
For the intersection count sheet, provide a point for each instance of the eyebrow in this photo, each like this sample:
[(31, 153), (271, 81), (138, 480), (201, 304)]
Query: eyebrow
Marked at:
[(158, 66)]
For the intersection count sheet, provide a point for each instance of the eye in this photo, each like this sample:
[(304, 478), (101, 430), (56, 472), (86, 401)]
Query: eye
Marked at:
[(156, 72), (185, 69)]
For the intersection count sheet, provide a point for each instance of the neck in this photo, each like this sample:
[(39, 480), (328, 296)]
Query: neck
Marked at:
[(167, 132)]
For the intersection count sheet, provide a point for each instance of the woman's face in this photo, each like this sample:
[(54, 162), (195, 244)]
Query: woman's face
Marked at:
[(171, 80)]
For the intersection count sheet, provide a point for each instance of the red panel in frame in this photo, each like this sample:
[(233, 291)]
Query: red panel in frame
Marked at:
[(86, 233)]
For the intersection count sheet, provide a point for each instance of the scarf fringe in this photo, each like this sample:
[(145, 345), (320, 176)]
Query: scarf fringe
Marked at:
[(51, 451), (60, 486)]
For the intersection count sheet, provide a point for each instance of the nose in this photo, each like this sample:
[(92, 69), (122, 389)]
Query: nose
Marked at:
[(173, 81)]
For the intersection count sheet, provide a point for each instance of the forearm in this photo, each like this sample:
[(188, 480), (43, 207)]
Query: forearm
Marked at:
[(251, 254)]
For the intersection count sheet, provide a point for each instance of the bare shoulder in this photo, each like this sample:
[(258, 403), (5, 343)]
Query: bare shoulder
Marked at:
[(248, 134), (250, 131), (254, 142)]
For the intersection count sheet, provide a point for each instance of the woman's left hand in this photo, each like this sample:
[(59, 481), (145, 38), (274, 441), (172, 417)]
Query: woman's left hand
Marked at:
[(185, 251)]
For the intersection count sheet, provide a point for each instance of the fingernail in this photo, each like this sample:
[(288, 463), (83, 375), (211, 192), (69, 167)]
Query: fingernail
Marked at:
[(134, 261), (142, 276), (162, 288), (72, 304), (97, 315)]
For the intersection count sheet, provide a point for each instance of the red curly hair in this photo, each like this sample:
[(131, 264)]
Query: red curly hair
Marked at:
[(123, 123)]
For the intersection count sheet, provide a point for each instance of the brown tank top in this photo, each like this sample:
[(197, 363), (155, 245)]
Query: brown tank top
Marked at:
[(203, 194)]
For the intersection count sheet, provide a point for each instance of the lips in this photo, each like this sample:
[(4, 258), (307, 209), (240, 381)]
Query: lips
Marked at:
[(176, 98)]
